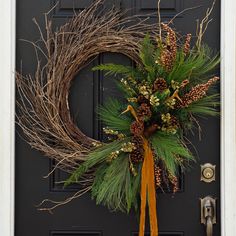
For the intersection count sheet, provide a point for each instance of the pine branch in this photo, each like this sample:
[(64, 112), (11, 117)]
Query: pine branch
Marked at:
[(147, 52), (207, 106), (114, 69), (196, 67), (114, 186), (111, 115), (169, 148), (96, 157)]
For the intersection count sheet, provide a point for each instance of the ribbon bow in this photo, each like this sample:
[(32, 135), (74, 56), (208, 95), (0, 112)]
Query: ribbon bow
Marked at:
[(148, 191)]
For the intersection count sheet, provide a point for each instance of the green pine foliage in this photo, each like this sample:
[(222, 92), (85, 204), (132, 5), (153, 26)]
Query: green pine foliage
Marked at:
[(116, 69), (113, 69), (207, 106), (116, 183), (147, 52), (196, 67), (95, 158), (111, 116), (169, 149), (115, 187), (125, 90)]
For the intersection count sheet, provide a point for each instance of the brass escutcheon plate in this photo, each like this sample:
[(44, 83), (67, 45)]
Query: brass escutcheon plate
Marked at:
[(208, 172)]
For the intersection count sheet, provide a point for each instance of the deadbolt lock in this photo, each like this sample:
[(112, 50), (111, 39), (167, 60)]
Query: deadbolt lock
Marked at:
[(208, 172)]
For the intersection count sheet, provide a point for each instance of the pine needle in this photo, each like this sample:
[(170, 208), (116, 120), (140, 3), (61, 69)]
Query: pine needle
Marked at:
[(195, 67), (115, 69), (114, 185), (96, 157), (207, 106), (169, 148), (111, 115)]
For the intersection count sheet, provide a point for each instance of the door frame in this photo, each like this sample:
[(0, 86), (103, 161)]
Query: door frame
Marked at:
[(228, 116), (7, 115)]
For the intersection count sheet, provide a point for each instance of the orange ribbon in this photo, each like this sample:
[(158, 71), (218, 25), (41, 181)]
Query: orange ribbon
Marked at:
[(148, 190)]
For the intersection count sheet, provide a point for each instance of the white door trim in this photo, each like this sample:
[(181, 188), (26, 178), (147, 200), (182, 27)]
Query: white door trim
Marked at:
[(228, 118), (7, 110)]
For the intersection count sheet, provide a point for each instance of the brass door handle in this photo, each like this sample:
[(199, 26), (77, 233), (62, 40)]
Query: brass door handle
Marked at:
[(208, 214), (209, 226)]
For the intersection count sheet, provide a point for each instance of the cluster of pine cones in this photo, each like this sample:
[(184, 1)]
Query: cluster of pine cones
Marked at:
[(144, 112)]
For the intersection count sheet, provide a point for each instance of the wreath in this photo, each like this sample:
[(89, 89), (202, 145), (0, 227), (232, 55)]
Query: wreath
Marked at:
[(163, 94)]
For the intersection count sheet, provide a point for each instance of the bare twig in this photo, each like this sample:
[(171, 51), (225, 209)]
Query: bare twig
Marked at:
[(44, 114), (159, 18), (202, 26), (181, 12), (56, 204)]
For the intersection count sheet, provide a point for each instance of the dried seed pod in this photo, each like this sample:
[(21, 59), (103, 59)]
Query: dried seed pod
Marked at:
[(157, 172), (128, 147), (169, 52), (132, 168), (186, 48), (175, 182), (133, 99), (166, 59), (184, 83), (197, 92), (154, 101), (170, 123), (170, 40), (145, 90)]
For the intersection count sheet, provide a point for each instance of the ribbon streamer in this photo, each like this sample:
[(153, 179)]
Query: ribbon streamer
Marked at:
[(148, 190)]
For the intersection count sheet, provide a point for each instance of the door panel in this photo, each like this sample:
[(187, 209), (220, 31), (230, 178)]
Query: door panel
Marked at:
[(75, 233), (178, 214)]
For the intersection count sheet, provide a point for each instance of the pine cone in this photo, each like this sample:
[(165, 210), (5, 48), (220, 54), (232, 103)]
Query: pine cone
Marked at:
[(159, 85), (137, 128), (144, 111), (136, 155), (142, 99)]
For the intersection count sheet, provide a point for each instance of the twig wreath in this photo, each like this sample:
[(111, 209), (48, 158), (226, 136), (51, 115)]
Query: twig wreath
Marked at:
[(163, 94)]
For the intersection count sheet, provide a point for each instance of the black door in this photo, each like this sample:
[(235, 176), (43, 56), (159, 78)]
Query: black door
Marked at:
[(178, 214)]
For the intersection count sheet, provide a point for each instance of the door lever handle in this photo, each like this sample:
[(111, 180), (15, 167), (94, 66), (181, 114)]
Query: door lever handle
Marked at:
[(209, 226), (208, 214)]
